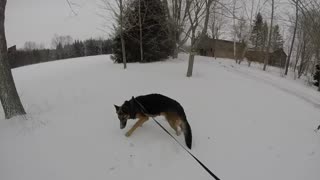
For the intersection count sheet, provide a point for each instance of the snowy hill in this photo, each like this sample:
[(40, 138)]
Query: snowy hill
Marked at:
[(247, 124)]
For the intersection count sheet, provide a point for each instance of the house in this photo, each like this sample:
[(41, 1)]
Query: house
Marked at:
[(219, 48), (224, 49), (12, 49), (276, 58)]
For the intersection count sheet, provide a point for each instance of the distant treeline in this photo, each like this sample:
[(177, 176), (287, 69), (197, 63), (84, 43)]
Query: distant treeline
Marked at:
[(32, 54)]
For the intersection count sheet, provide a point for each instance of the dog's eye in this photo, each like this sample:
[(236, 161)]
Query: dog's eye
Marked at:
[(120, 111), (124, 111)]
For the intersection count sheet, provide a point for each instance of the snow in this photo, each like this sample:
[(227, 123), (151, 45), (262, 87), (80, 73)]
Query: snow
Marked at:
[(246, 123)]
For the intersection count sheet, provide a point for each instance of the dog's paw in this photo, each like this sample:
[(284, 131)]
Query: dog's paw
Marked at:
[(128, 134), (178, 133)]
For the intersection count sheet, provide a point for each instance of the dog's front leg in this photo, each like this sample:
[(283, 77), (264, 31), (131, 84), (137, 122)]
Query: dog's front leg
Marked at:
[(136, 125)]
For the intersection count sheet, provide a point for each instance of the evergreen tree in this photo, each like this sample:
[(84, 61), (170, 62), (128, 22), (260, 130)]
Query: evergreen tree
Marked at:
[(106, 46), (59, 51), (78, 48), (256, 35), (155, 32), (277, 41), (92, 47), (264, 35)]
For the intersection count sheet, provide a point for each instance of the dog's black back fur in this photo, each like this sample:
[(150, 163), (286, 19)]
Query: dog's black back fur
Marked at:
[(154, 104)]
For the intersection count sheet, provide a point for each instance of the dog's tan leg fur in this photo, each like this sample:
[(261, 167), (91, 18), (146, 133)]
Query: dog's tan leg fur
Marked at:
[(174, 121), (141, 120)]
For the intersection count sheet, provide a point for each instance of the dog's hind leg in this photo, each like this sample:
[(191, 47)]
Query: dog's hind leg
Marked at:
[(173, 120), (141, 120)]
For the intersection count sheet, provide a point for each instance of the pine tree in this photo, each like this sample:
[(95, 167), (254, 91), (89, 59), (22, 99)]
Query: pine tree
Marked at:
[(59, 51), (78, 47), (106, 46), (92, 47), (155, 33), (264, 35), (277, 41), (256, 35)]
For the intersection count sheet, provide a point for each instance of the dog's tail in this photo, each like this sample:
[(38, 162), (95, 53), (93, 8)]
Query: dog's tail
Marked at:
[(186, 129)]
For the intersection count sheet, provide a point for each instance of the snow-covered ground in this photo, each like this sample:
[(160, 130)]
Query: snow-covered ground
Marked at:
[(247, 124)]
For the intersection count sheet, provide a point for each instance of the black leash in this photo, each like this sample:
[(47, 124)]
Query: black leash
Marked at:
[(204, 167)]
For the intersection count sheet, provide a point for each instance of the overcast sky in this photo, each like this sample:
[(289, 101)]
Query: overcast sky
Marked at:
[(39, 20)]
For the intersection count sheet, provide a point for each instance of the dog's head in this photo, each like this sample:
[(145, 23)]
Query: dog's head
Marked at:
[(125, 112)]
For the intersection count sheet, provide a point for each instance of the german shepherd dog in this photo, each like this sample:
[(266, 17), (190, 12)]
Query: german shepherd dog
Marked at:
[(151, 105)]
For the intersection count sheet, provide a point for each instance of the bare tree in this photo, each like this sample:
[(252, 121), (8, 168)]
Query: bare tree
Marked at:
[(242, 33), (298, 53), (241, 30), (310, 13), (9, 97), (305, 45), (217, 20), (140, 32), (266, 60), (71, 4), (250, 13), (234, 4), (114, 10), (293, 38), (123, 47), (61, 40), (30, 45), (177, 11), (198, 14)]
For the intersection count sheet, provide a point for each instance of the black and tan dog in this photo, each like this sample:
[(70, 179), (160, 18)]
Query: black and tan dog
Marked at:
[(151, 105)]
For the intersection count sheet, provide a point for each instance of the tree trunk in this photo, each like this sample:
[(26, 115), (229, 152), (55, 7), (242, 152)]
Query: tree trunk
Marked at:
[(292, 42), (194, 25), (191, 54), (124, 58), (234, 50), (319, 83), (266, 60), (140, 25), (8, 93), (194, 40), (235, 34), (242, 50), (206, 21), (190, 65), (249, 35), (304, 60), (297, 57), (175, 52), (301, 69), (318, 58), (214, 48)]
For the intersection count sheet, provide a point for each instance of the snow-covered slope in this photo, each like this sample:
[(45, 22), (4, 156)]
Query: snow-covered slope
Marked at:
[(247, 124)]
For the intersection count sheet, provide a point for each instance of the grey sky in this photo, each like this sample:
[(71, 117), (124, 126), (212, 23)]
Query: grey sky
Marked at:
[(39, 20)]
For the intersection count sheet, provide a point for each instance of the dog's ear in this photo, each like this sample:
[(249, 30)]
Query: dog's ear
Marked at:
[(117, 107)]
